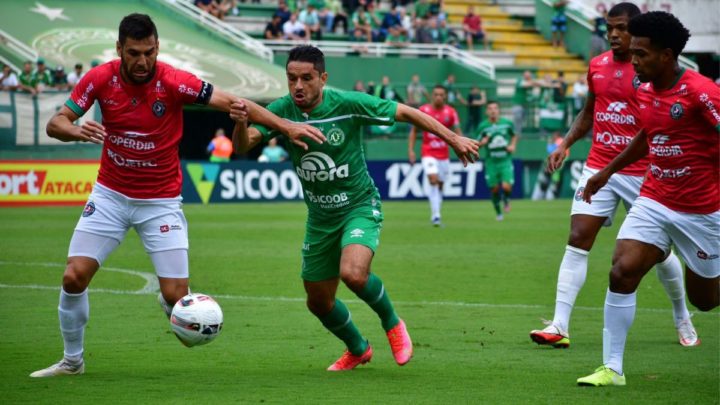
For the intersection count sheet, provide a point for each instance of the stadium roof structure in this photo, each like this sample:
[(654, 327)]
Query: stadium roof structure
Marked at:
[(65, 32)]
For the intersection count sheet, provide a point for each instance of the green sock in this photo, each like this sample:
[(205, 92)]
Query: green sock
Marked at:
[(376, 297), (506, 197), (496, 202), (339, 322)]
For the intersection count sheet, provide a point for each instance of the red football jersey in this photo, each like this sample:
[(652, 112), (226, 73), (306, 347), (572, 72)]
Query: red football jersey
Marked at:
[(615, 122), (683, 133), (433, 145), (143, 124)]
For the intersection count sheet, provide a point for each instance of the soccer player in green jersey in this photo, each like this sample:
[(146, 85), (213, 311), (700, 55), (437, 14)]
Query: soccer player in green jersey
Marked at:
[(497, 133), (344, 210)]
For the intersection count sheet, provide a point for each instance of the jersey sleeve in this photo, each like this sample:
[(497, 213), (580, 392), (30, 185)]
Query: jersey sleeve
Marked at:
[(86, 92), (709, 98), (277, 107), (191, 89), (372, 110)]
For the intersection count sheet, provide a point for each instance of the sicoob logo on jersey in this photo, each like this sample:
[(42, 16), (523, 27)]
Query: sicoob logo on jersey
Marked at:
[(89, 209), (158, 108), (676, 111)]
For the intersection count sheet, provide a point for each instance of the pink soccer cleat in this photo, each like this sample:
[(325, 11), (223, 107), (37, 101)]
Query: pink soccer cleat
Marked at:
[(400, 343), (349, 361)]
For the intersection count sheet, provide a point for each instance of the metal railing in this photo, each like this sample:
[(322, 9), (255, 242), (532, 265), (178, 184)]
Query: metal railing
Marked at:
[(379, 49), (18, 47), (227, 31)]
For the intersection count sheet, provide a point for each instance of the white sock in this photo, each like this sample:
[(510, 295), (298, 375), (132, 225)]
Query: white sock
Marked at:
[(571, 277), (435, 200), (74, 312), (670, 274), (619, 317)]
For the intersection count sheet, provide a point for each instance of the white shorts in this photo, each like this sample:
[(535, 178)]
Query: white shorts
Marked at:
[(695, 236), (441, 167), (160, 223), (620, 187)]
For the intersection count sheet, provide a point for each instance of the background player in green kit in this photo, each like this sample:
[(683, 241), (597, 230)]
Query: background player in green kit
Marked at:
[(497, 133), (344, 210)]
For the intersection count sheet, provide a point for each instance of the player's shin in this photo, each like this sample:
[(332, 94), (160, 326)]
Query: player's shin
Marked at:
[(619, 316), (340, 324), (670, 274), (376, 297), (74, 312), (571, 278)]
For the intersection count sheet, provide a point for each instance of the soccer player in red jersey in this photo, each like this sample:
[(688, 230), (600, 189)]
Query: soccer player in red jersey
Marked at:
[(140, 178), (434, 152), (679, 202), (611, 110)]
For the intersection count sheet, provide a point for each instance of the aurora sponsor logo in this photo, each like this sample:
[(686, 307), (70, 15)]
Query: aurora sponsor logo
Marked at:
[(317, 166)]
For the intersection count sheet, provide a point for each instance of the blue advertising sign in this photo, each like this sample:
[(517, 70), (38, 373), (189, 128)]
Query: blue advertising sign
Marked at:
[(245, 181)]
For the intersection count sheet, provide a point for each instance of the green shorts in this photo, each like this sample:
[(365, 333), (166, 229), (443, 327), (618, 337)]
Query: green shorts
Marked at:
[(499, 172), (324, 239)]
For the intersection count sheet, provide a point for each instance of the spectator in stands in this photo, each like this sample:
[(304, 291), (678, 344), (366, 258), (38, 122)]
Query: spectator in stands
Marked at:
[(371, 88), (417, 94), (294, 29), (453, 94), (74, 77), (521, 98), (422, 32), (438, 31), (283, 11), (359, 86), (475, 100), (391, 20), (395, 37), (407, 23), (8, 79), (580, 92), (552, 103), (216, 8), (337, 15), (422, 9), (362, 21), (472, 27), (220, 148), (27, 79), (42, 76), (273, 152), (274, 29), (310, 17), (386, 91), (598, 41), (558, 23), (59, 78), (559, 88)]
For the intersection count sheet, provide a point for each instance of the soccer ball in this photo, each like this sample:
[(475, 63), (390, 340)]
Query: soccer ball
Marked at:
[(196, 319)]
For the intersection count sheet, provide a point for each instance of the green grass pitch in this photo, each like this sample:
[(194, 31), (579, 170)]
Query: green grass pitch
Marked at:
[(470, 293)]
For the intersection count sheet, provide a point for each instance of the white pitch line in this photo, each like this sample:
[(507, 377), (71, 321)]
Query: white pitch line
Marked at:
[(152, 287)]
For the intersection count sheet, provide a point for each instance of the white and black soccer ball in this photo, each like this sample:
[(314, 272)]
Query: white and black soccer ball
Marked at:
[(196, 319)]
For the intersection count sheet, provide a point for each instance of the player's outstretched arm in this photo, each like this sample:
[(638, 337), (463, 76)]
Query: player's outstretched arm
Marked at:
[(243, 138), (295, 132), (465, 148), (636, 150), (582, 124), (61, 127)]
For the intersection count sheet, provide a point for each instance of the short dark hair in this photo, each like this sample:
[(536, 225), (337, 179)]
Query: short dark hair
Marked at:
[(440, 86), (489, 102), (136, 26), (663, 29), (628, 9), (307, 53)]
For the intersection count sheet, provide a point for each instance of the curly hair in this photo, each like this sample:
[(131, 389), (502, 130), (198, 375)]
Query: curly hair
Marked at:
[(663, 29)]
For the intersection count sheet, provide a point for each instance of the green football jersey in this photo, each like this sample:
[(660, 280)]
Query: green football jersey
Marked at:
[(334, 175), (500, 134)]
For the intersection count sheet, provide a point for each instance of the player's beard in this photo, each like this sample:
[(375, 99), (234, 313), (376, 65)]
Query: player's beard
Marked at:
[(130, 77)]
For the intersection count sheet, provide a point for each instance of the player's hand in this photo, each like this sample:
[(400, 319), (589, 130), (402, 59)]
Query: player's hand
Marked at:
[(594, 183), (556, 158), (466, 149), (411, 157), (92, 131), (297, 131), (511, 149), (238, 111)]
